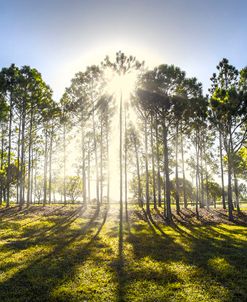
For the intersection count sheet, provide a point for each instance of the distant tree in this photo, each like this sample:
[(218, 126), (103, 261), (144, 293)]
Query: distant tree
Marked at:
[(73, 187)]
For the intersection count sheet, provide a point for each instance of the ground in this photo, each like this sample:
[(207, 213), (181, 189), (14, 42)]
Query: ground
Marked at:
[(78, 253)]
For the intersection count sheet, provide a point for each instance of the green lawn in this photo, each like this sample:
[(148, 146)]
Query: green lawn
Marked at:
[(75, 253)]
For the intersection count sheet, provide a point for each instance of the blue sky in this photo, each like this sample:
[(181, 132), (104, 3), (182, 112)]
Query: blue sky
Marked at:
[(61, 37)]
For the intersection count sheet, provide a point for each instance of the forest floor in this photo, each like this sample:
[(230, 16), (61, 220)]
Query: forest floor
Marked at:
[(74, 253)]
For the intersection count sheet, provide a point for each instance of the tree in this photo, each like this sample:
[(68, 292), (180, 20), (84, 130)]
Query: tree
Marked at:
[(228, 105)]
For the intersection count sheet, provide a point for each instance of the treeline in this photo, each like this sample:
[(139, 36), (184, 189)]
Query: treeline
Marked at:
[(169, 133), (176, 117)]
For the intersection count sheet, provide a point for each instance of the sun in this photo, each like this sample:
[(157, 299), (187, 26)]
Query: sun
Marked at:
[(124, 84)]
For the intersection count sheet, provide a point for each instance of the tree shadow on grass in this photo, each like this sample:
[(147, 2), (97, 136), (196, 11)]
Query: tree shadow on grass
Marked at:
[(214, 260), (39, 278), (32, 235)]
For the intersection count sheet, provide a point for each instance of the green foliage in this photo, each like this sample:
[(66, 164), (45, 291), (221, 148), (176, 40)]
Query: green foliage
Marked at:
[(189, 190)]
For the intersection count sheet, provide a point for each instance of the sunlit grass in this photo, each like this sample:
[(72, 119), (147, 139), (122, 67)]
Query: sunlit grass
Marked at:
[(73, 254)]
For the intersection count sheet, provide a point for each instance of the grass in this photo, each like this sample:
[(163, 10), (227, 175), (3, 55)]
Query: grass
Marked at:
[(74, 253)]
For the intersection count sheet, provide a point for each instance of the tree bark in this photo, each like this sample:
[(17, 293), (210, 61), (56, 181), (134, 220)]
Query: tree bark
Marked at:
[(158, 161), (140, 201), (125, 163), (22, 172), (29, 157), (50, 161), (222, 173), (9, 151), (64, 164), (89, 173), (184, 182), (197, 175), (176, 173), (96, 158), (146, 167), (168, 212), (101, 161), (45, 168), (153, 164), (1, 165)]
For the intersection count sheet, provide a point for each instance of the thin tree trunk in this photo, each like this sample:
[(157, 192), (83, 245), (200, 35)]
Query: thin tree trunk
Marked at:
[(176, 174), (125, 163), (64, 164), (50, 162), (146, 167), (140, 201), (158, 160), (101, 161), (45, 167), (32, 167), (222, 173), (167, 177), (22, 172), (120, 162), (197, 175), (230, 169), (202, 175), (18, 162), (153, 164), (1, 166), (108, 163), (96, 159), (29, 157), (207, 191), (84, 181), (184, 182), (89, 174), (236, 191), (9, 151), (230, 205), (35, 180)]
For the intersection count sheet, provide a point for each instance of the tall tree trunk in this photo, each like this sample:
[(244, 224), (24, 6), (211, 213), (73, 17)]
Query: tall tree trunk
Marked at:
[(153, 164), (222, 173), (168, 212), (183, 169), (158, 160), (101, 160), (50, 162), (35, 179), (96, 158), (22, 172), (18, 161), (230, 169), (1, 165), (229, 193), (9, 152), (197, 175), (89, 173), (125, 163), (202, 174), (32, 179), (45, 168), (64, 164), (29, 157), (236, 190), (176, 173), (120, 161), (84, 181), (108, 163), (146, 167), (207, 191), (140, 201)]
